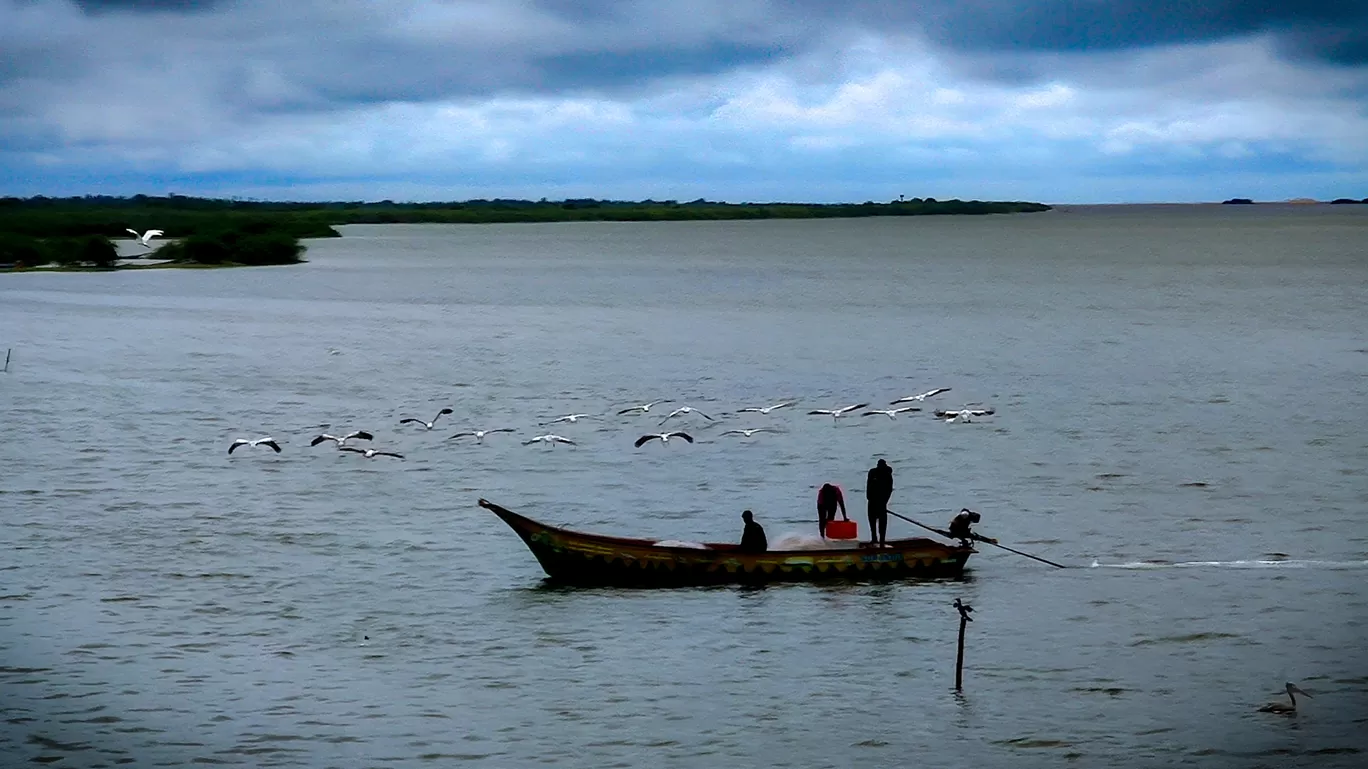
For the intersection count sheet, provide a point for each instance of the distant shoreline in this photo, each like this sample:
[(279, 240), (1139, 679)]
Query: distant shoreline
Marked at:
[(178, 216)]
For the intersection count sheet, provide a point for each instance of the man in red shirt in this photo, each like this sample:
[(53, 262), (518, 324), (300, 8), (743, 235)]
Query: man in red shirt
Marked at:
[(829, 497)]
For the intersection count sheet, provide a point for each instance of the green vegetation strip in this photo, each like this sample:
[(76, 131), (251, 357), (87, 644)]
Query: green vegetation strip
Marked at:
[(76, 232)]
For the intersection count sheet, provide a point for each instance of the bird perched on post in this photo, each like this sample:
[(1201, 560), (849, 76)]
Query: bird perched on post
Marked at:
[(964, 610)]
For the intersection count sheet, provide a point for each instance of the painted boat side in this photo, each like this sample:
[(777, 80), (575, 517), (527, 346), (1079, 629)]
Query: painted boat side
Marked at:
[(577, 558)]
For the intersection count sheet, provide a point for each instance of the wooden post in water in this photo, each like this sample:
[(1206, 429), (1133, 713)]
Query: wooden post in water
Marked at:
[(965, 619), (8, 350)]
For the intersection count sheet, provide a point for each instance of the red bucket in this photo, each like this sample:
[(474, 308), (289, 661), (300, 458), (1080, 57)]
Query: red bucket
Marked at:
[(842, 530)]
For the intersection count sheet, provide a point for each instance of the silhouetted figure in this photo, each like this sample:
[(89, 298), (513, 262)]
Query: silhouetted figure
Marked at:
[(829, 497), (753, 538), (878, 489), (959, 525)]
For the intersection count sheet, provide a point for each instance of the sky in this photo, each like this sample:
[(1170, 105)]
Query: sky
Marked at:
[(1058, 101)]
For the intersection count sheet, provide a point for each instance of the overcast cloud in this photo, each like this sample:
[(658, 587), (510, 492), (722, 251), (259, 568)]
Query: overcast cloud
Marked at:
[(1055, 100)]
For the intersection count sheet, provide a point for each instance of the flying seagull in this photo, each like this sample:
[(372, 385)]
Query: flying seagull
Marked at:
[(664, 438), (891, 413), (145, 237), (549, 438), (480, 434), (571, 418), (748, 432), (258, 442), (765, 409), (964, 415), (1283, 708), (371, 453), (685, 410), (360, 435), (920, 397), (838, 413), (428, 425), (643, 408)]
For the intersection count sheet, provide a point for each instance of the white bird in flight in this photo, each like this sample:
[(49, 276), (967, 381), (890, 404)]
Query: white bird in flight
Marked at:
[(145, 237), (643, 408), (258, 442), (549, 438), (838, 413), (765, 409), (479, 435), (664, 438), (428, 425), (685, 410), (360, 435), (920, 397), (571, 418), (372, 453), (748, 432), (964, 414), (891, 413)]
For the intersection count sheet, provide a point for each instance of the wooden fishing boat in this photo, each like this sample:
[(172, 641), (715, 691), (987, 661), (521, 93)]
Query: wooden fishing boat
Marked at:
[(575, 558)]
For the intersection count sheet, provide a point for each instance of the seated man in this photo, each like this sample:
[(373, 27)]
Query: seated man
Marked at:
[(753, 538)]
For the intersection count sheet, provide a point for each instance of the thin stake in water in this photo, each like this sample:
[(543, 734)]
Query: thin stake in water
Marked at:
[(965, 619)]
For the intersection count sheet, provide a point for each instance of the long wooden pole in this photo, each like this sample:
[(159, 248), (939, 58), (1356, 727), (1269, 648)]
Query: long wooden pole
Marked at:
[(946, 534), (8, 351), (1018, 552)]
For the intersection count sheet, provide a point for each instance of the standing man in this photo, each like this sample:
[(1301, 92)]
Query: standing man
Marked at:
[(829, 497), (878, 490)]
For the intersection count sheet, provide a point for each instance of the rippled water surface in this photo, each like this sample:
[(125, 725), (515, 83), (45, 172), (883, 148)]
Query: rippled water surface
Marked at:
[(1180, 415)]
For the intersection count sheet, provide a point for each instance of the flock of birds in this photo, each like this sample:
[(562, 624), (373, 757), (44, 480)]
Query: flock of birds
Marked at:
[(964, 414)]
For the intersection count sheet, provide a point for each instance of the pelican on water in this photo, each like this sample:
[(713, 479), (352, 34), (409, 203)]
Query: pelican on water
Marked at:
[(549, 438), (1282, 707), (571, 418), (964, 415), (145, 237), (748, 432), (258, 442), (838, 413), (920, 396), (765, 409), (428, 425), (479, 435), (360, 435), (371, 453), (664, 438), (891, 413), (685, 410), (643, 408)]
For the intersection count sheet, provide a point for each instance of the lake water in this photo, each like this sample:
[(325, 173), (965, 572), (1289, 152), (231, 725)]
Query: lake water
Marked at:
[(1180, 414)]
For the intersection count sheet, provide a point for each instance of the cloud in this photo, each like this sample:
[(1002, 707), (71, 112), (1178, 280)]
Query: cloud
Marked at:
[(1330, 30), (806, 98)]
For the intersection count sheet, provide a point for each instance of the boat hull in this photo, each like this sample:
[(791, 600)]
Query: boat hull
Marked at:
[(575, 558)]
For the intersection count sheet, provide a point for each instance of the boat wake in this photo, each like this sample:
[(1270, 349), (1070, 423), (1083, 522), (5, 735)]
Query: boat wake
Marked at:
[(1281, 563), (791, 541)]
